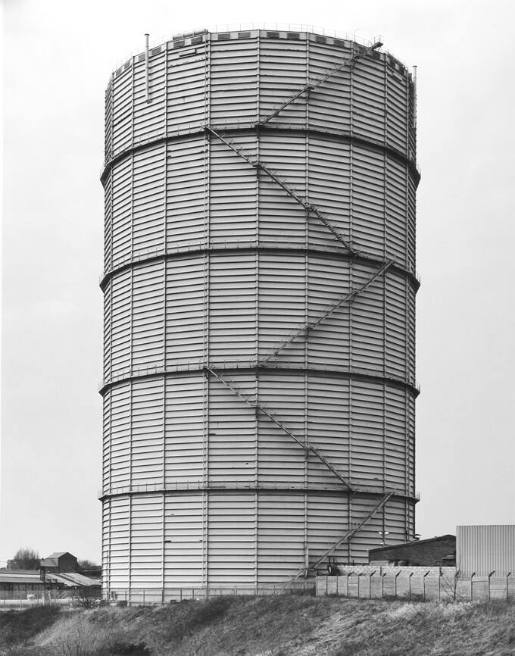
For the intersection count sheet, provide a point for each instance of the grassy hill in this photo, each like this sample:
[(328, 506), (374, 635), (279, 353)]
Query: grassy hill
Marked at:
[(266, 626)]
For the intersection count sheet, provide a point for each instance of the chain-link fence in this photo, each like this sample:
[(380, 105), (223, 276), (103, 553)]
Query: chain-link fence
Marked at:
[(160, 596), (22, 598)]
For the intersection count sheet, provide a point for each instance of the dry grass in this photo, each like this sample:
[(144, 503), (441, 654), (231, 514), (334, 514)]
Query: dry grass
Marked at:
[(18, 628), (279, 626)]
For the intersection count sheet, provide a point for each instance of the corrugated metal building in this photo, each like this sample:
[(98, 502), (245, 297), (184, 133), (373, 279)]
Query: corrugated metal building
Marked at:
[(481, 550), (259, 356)]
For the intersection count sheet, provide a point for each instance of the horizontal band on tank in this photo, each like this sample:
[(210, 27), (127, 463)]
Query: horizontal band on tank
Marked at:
[(375, 146), (362, 491), (271, 250), (281, 369)]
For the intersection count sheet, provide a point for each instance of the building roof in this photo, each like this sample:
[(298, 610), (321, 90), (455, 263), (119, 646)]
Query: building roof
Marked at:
[(412, 543), (20, 576), (73, 580), (68, 579), (53, 559)]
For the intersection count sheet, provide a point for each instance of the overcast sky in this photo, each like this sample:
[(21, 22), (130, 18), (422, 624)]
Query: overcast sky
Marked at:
[(57, 60)]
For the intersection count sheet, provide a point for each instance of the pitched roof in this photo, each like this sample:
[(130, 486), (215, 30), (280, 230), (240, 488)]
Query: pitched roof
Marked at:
[(58, 554)]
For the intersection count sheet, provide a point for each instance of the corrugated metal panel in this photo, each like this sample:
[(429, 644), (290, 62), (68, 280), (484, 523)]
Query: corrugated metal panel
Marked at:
[(231, 539), (482, 550), (210, 262), (360, 426), (240, 307)]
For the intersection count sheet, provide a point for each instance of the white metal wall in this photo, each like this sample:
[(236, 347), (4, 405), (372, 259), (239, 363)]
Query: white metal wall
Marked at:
[(484, 550), (208, 263)]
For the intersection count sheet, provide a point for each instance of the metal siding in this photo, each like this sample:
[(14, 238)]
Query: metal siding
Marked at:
[(330, 106), (282, 73), (149, 117), (234, 82), (186, 89), (207, 491), (148, 204), (482, 550)]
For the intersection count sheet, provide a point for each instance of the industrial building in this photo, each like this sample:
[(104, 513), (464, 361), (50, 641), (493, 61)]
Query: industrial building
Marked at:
[(58, 576), (259, 324), (486, 550)]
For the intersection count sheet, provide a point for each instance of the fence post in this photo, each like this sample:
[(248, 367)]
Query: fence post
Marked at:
[(409, 585), (508, 585), (472, 586), (455, 591), (489, 577), (370, 584), (382, 584), (424, 584), (395, 585)]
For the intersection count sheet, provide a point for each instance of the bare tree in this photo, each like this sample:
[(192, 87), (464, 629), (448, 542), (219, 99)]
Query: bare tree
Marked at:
[(24, 558)]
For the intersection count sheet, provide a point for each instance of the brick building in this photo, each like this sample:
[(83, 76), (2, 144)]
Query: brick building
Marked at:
[(433, 552)]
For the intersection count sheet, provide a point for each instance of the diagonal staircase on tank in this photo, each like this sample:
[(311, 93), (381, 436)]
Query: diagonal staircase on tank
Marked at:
[(309, 207), (347, 298), (264, 411), (351, 490), (312, 325), (349, 62), (259, 408), (347, 536)]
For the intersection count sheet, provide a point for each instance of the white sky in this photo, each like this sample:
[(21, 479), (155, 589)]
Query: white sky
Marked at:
[(58, 58)]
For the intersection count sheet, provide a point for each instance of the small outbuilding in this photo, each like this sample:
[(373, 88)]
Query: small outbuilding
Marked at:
[(60, 561), (434, 552)]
